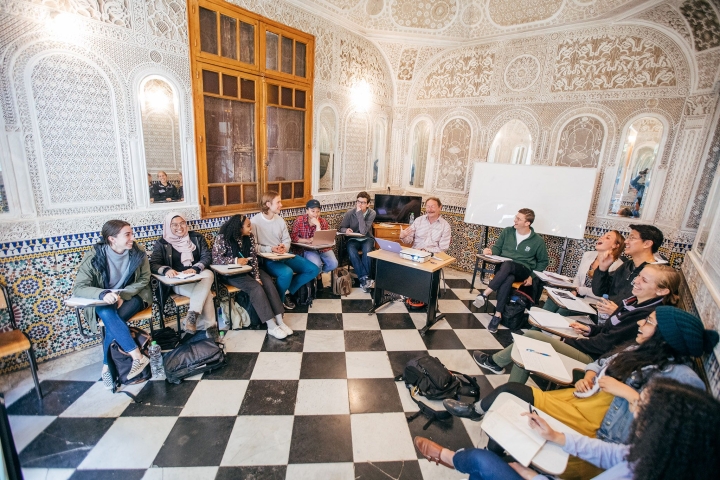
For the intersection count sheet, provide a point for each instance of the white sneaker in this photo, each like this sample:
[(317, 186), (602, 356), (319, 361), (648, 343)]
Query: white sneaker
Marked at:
[(286, 329), (479, 301), (277, 332), (138, 366)]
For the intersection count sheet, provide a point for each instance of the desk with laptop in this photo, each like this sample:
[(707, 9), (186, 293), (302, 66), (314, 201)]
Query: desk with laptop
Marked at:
[(394, 264), (322, 239)]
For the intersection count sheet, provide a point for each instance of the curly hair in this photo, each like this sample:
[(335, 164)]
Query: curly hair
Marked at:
[(676, 434), (232, 231), (631, 362)]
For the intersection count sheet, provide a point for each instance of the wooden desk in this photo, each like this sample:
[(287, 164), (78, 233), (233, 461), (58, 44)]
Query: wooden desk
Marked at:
[(388, 231), (569, 363), (420, 281)]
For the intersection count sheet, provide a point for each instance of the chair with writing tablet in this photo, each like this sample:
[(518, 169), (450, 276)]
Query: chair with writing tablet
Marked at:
[(570, 364)]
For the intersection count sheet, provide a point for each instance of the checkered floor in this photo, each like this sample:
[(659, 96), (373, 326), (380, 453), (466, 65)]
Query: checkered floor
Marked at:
[(320, 404)]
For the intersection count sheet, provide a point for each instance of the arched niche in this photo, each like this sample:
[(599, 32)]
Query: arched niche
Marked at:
[(512, 144)]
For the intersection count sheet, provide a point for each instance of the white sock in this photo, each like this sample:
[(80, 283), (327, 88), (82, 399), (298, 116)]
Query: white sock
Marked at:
[(279, 319), (271, 324)]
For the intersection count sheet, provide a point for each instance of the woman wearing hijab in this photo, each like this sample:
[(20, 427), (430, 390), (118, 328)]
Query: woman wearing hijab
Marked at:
[(182, 251)]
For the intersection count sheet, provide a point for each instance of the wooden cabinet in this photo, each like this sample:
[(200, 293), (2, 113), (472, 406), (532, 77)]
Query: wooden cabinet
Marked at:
[(388, 231)]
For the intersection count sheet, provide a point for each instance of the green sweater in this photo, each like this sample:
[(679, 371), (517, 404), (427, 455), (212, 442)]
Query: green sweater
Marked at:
[(531, 252)]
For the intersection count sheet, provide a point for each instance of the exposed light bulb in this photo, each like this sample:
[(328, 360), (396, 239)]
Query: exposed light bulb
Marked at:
[(361, 96), (65, 25)]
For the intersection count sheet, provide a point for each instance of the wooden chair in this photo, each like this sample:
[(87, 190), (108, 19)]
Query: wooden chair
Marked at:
[(16, 341)]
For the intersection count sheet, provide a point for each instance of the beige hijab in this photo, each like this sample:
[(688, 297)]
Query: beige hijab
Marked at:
[(182, 244)]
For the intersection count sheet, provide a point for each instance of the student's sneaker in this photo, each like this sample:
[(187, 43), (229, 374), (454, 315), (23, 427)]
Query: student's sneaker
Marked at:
[(370, 283), (288, 303), (107, 380), (286, 329), (364, 285), (480, 301), (277, 332), (138, 366), (494, 324), (191, 322), (485, 361)]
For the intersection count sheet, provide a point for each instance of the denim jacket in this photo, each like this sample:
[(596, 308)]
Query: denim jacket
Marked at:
[(615, 426)]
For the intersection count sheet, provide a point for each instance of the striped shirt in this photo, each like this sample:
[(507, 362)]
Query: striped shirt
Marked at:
[(433, 237)]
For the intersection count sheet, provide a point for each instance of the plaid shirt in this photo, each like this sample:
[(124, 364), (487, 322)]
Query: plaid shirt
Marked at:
[(302, 229)]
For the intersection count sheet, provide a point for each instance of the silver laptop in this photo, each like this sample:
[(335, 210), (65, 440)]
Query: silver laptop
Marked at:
[(388, 245), (324, 238)]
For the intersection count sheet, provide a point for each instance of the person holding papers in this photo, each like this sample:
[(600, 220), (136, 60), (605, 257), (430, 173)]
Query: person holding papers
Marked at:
[(655, 286), (272, 236), (673, 435), (235, 245), (527, 251), (664, 347), (359, 220), (429, 232), (613, 244), (641, 245), (303, 231), (183, 253), (117, 271)]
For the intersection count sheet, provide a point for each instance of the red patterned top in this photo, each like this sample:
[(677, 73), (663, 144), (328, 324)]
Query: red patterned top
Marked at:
[(302, 229)]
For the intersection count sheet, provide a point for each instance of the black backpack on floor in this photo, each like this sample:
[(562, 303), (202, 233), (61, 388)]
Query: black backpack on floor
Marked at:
[(514, 316), (306, 294), (120, 362), (196, 354)]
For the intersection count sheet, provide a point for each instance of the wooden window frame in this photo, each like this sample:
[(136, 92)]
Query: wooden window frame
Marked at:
[(200, 60)]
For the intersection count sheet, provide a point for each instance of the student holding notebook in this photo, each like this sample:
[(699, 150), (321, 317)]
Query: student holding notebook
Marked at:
[(674, 435), (656, 285)]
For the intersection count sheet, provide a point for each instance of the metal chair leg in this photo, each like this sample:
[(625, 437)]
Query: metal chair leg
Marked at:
[(33, 370)]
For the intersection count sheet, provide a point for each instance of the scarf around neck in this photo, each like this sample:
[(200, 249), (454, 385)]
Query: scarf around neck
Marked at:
[(182, 244)]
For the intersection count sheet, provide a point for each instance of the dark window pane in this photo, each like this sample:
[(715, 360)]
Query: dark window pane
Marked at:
[(247, 89), (285, 144), (217, 196), (228, 37), (247, 43), (287, 55), (230, 140), (273, 95), (233, 194), (299, 99), (230, 86), (211, 82), (271, 51), (208, 31), (250, 193), (286, 190), (300, 50), (274, 187), (299, 189), (287, 97)]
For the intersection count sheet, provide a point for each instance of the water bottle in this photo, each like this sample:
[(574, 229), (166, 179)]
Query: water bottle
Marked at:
[(603, 317), (412, 218), (222, 337), (156, 361)]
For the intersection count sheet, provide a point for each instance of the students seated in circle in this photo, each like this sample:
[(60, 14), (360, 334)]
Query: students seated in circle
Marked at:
[(181, 251), (163, 191), (613, 244), (673, 434), (665, 344), (655, 286), (235, 245), (303, 231), (272, 236), (116, 270)]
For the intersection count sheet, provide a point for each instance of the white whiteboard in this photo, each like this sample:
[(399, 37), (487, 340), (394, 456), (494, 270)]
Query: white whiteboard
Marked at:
[(560, 196)]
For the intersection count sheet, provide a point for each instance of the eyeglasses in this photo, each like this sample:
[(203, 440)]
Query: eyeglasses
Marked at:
[(647, 321), (362, 202), (178, 225)]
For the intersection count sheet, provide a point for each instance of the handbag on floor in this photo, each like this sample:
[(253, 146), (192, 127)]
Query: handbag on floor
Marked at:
[(341, 281), (199, 354), (306, 294), (120, 362)]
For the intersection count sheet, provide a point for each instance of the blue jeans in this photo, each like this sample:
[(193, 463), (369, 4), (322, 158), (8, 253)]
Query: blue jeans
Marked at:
[(483, 465), (325, 260), (115, 327), (361, 264), (283, 271)]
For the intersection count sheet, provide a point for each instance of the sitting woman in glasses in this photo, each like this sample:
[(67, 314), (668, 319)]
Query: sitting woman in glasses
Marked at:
[(181, 251), (235, 244)]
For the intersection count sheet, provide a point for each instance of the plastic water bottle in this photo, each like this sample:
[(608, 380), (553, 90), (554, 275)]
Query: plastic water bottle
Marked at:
[(156, 361), (603, 317), (221, 339), (412, 218)]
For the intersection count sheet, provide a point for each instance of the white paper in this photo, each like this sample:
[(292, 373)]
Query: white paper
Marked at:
[(569, 301), (553, 279), (84, 302), (541, 357), (498, 258), (504, 431), (548, 319), (276, 256), (183, 276)]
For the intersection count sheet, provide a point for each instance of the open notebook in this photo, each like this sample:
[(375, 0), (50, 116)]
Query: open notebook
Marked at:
[(511, 430)]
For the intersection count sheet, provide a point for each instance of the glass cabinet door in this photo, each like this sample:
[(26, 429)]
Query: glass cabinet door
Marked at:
[(226, 36)]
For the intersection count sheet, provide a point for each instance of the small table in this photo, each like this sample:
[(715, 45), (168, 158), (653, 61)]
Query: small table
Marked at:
[(420, 281), (569, 363), (559, 331), (171, 282), (484, 259), (230, 270)]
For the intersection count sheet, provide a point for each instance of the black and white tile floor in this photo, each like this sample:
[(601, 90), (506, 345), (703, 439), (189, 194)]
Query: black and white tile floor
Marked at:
[(321, 404)]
